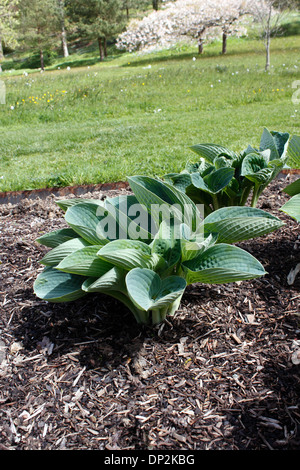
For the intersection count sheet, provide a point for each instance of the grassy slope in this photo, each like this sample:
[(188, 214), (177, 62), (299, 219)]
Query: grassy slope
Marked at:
[(121, 117)]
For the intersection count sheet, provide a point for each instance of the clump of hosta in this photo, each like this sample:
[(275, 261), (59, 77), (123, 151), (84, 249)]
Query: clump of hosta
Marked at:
[(222, 177), (145, 248)]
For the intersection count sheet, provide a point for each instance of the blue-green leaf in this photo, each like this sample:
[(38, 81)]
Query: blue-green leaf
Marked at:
[(211, 151), (57, 254), (292, 207), (88, 220), (85, 262), (147, 291), (235, 224), (55, 286), (294, 152), (55, 238), (163, 200), (222, 263), (114, 279), (128, 254), (277, 142), (293, 188)]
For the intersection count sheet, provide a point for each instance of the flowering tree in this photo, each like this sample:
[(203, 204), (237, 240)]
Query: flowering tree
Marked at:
[(184, 18)]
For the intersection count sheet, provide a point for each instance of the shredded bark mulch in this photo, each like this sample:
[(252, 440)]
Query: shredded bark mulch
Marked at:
[(222, 374)]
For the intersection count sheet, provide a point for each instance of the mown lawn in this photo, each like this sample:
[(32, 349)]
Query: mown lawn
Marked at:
[(138, 114)]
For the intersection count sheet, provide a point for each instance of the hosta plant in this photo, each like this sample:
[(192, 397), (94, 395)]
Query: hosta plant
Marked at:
[(145, 248), (223, 178)]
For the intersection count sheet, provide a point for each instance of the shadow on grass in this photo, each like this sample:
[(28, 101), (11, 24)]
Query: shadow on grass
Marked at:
[(150, 60)]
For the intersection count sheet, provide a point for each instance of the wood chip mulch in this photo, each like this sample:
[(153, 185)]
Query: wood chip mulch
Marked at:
[(222, 374)]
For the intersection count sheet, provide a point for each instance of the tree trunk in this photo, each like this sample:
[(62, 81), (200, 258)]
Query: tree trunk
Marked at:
[(268, 61), (63, 28), (1, 54), (64, 41), (200, 40), (101, 48), (224, 43), (268, 37), (105, 47), (200, 45), (42, 60), (155, 4)]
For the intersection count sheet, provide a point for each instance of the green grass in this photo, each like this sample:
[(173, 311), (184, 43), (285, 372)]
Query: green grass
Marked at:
[(103, 122)]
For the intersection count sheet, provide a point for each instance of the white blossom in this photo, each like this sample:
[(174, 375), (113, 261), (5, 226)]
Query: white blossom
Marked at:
[(190, 19)]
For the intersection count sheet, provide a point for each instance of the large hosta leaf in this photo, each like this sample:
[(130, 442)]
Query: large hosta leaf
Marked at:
[(292, 207), (55, 256), (276, 142), (222, 263), (294, 152), (114, 279), (55, 286), (293, 188), (163, 200), (147, 291), (167, 244), (85, 262), (192, 248), (253, 163), (180, 181), (235, 224), (129, 254), (55, 238), (133, 220), (92, 222), (215, 181), (210, 151)]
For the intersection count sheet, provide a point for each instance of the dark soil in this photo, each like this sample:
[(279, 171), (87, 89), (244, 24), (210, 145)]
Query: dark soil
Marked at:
[(222, 374)]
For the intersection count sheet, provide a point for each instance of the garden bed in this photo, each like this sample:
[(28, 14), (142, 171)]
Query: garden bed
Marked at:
[(222, 374)]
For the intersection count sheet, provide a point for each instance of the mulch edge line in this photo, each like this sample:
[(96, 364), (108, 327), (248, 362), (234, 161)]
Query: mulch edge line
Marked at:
[(13, 197)]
